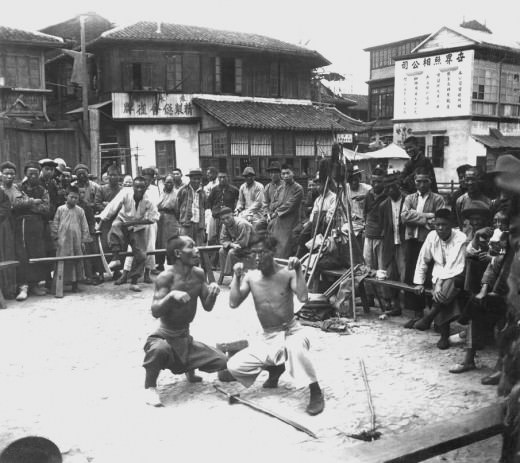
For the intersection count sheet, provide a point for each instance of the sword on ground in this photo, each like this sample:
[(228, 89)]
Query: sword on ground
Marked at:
[(235, 398)]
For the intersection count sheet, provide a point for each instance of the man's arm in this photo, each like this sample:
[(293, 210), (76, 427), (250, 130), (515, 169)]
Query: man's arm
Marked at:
[(411, 216), (113, 207), (162, 296), (239, 288), (209, 293), (241, 203), (298, 285), (425, 257)]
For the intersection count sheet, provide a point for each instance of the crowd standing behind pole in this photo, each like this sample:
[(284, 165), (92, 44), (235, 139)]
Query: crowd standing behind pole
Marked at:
[(457, 245)]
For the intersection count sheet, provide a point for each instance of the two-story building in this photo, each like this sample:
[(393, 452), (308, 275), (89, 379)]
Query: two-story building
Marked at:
[(25, 130), (459, 92), (186, 96), (382, 81)]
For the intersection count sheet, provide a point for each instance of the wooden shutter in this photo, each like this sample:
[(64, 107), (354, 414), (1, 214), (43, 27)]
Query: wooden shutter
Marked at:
[(126, 76), (275, 79), (238, 76), (218, 76), (10, 75), (191, 73), (34, 73), (146, 76), (174, 73), (207, 73)]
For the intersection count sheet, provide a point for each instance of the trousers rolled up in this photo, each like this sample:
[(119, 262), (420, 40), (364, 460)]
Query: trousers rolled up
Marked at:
[(283, 345), (120, 237)]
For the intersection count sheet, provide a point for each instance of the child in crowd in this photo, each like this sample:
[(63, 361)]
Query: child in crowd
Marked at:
[(70, 232)]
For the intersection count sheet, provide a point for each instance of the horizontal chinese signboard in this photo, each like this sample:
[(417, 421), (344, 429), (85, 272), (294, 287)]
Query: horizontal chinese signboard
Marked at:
[(152, 106), (344, 138), (434, 86)]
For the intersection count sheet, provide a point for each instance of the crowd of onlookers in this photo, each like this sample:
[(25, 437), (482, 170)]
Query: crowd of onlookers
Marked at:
[(456, 246)]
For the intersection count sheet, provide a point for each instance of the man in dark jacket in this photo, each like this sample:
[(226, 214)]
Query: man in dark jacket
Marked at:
[(393, 251), (417, 160)]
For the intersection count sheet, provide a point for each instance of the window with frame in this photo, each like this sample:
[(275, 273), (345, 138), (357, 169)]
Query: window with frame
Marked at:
[(324, 145), (239, 143), (283, 144), (382, 102), (165, 158), (220, 141), (205, 145), (137, 76), (228, 75), (261, 144), (20, 71), (305, 145), (174, 73)]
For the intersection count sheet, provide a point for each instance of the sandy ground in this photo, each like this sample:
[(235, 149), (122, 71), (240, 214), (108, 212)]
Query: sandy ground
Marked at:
[(71, 370)]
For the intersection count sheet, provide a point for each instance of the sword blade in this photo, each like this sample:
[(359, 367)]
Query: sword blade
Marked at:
[(237, 399)]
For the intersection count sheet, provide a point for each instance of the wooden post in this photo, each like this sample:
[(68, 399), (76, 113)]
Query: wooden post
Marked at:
[(84, 77)]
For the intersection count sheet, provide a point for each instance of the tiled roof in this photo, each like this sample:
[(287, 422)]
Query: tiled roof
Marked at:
[(360, 100), (505, 141), (348, 123), (269, 116), (11, 35), (146, 31)]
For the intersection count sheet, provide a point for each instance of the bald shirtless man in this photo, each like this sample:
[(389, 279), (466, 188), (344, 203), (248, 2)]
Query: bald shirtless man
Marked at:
[(175, 303), (284, 341)]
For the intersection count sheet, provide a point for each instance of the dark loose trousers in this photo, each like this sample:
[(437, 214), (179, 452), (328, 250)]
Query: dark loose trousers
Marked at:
[(120, 237), (412, 250), (176, 351)]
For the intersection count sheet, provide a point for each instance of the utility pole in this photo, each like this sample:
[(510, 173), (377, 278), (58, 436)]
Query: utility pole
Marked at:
[(84, 77)]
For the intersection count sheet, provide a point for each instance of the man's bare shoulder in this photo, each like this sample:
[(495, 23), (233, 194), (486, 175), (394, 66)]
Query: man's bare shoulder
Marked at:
[(165, 278), (198, 273)]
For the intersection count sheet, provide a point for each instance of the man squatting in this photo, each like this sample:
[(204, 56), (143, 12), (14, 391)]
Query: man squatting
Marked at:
[(272, 286)]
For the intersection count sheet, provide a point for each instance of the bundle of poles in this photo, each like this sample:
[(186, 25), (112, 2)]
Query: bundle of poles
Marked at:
[(341, 190)]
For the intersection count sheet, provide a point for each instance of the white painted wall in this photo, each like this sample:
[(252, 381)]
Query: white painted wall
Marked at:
[(186, 140)]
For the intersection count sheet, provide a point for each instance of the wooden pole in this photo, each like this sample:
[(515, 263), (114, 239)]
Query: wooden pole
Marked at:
[(318, 221), (84, 77)]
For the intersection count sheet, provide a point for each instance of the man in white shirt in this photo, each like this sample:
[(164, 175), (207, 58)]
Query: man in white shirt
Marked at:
[(446, 249), (250, 197), (134, 213)]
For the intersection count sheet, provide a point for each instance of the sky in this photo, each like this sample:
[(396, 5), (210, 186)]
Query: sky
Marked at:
[(338, 29)]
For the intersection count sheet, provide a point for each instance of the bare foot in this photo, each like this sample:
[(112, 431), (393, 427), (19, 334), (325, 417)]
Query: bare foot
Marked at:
[(152, 397), (192, 377)]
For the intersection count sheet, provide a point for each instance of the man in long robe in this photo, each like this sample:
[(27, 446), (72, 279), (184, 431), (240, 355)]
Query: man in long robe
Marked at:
[(272, 190), (70, 231), (7, 249), (36, 228), (285, 218), (168, 224)]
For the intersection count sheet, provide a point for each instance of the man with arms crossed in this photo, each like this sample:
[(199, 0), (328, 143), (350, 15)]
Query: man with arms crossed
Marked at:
[(284, 341), (175, 303)]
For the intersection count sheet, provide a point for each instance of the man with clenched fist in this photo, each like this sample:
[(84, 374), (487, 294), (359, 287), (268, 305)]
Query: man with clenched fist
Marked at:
[(175, 303), (284, 341)]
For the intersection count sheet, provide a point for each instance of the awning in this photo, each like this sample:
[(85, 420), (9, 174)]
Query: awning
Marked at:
[(494, 142), (92, 106), (270, 116), (392, 151)]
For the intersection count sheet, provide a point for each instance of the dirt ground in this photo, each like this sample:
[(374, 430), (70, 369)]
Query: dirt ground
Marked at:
[(71, 370)]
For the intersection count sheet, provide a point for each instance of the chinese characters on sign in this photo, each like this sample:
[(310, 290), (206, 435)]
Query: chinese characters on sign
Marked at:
[(152, 105), (434, 86)]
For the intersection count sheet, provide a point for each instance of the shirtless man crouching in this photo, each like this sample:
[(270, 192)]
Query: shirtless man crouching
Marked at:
[(175, 303), (284, 341)]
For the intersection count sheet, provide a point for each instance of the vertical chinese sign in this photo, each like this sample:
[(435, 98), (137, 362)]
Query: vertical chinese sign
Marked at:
[(434, 86)]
